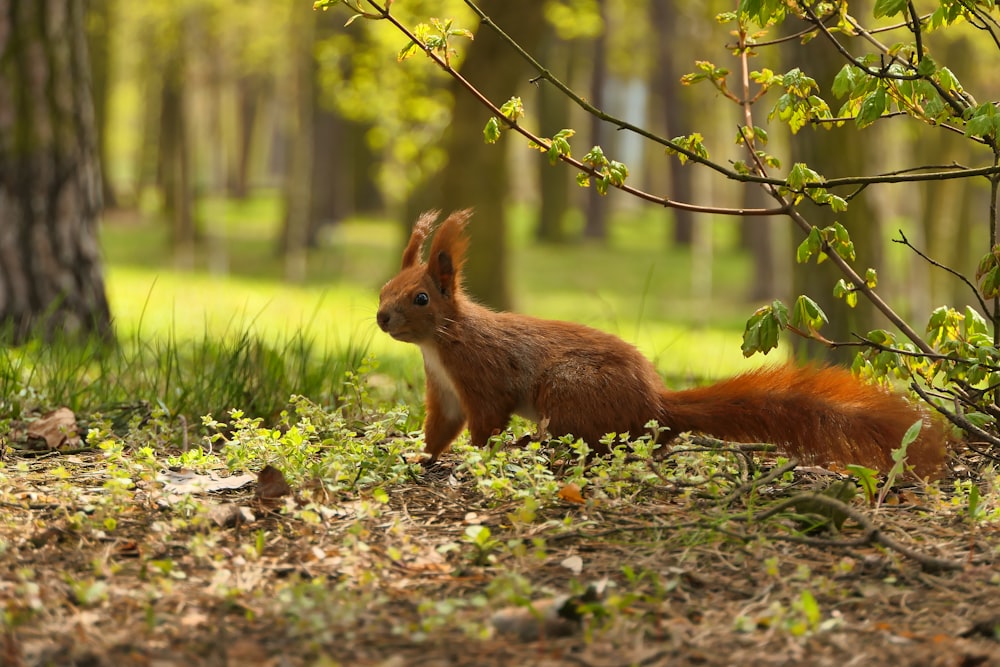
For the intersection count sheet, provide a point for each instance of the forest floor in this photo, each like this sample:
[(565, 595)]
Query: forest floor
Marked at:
[(103, 564)]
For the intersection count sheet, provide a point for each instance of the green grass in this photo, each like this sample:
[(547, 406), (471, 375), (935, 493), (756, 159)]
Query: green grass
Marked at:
[(194, 343), (633, 287)]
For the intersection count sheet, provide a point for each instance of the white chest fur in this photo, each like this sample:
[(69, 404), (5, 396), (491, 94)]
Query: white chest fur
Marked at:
[(435, 369)]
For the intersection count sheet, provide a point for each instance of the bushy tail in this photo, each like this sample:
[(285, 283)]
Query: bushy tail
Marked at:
[(820, 415)]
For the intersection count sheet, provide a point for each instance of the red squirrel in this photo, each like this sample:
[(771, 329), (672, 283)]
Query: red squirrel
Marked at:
[(484, 366)]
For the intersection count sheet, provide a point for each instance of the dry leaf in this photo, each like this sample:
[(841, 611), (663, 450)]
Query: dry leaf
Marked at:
[(185, 481), (271, 485), (546, 618), (573, 563), (128, 549), (542, 429), (57, 429), (227, 515), (571, 493), (249, 652), (550, 617)]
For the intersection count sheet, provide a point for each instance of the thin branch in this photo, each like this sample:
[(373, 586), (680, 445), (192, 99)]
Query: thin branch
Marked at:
[(540, 141), (842, 264), (906, 177), (913, 23), (773, 474), (785, 205), (546, 74), (984, 22), (881, 73), (904, 241), (872, 534), (958, 104), (934, 123), (957, 419), (934, 356)]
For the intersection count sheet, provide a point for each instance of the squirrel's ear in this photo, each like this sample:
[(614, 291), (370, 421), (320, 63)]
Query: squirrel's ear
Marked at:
[(421, 230), (448, 252)]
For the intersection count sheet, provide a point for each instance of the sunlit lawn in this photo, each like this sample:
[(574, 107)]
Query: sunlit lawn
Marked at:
[(633, 288)]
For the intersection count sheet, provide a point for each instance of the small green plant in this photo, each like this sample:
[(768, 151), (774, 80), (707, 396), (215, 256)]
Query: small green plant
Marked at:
[(899, 460), (485, 546), (867, 478)]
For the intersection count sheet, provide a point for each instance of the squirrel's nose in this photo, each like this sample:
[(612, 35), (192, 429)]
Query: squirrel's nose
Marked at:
[(383, 319)]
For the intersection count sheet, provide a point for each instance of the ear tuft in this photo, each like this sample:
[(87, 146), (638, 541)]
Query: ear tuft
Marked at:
[(448, 252), (421, 230)]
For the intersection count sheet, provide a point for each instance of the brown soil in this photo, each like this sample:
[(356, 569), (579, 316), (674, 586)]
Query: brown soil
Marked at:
[(360, 582)]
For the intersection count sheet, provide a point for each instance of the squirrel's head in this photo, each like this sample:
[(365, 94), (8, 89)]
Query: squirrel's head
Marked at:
[(423, 295)]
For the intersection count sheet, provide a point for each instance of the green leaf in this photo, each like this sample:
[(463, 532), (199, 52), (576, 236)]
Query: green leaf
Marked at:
[(560, 145), (763, 327), (911, 434), (595, 157), (842, 288), (812, 245), (989, 284), (980, 419), (871, 278), (491, 133), (867, 477), (617, 173), (974, 509), (872, 108), (841, 242), (810, 609), (926, 66), (800, 175), (975, 323), (807, 314), (984, 122), (512, 109), (762, 12), (693, 143), (845, 80), (405, 52), (887, 8)]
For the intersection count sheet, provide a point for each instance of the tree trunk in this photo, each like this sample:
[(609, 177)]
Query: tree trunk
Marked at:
[(100, 27), (249, 90), (175, 160), (331, 173), (596, 212), (675, 104), (553, 115), (770, 271), (476, 174), (832, 152), (51, 280), (298, 183), (946, 207)]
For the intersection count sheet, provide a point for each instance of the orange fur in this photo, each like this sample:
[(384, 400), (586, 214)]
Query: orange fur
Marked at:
[(482, 367)]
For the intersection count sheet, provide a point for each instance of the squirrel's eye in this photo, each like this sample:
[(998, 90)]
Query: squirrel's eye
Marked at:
[(421, 299)]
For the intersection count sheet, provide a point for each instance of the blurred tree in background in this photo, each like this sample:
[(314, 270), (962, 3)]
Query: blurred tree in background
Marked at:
[(51, 280), (200, 100)]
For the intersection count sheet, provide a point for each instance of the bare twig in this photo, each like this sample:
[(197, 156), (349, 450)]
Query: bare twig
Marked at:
[(904, 241), (867, 342), (956, 418), (750, 485), (838, 261), (540, 141), (872, 534)]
